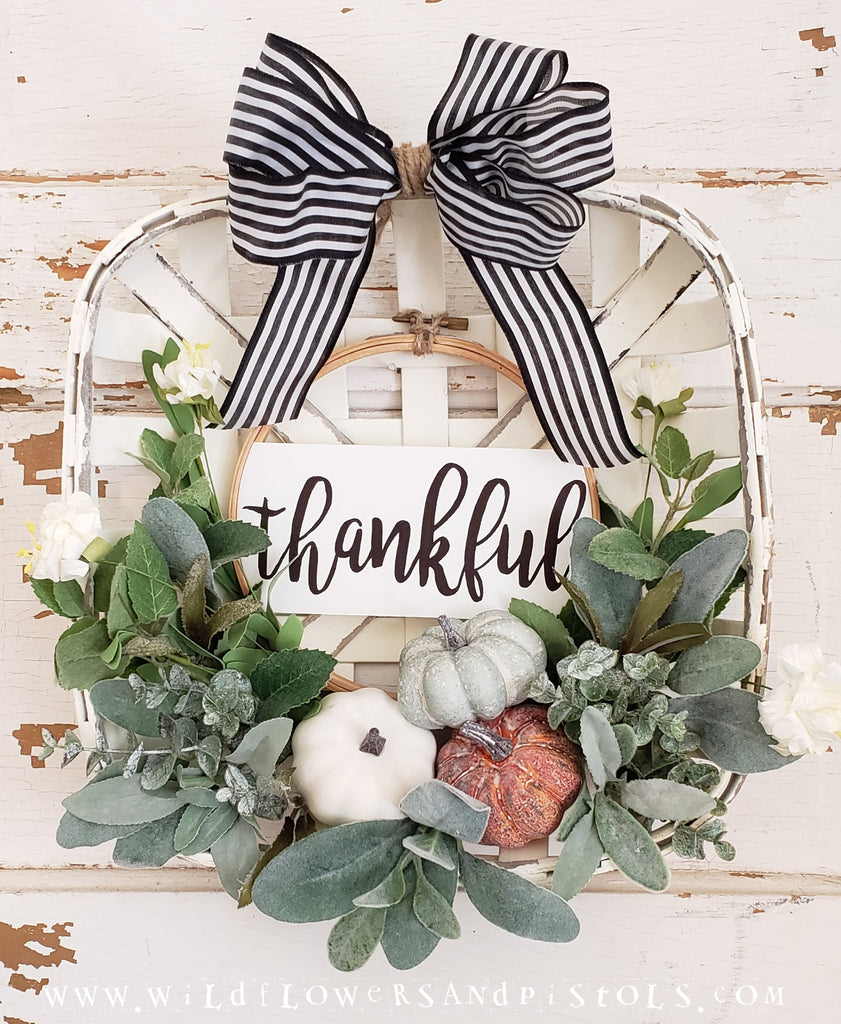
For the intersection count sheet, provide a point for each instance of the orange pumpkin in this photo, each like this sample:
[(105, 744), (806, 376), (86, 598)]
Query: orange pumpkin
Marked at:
[(527, 772)]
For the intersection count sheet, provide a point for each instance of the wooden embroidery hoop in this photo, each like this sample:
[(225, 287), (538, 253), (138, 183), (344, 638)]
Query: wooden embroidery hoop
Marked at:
[(377, 346)]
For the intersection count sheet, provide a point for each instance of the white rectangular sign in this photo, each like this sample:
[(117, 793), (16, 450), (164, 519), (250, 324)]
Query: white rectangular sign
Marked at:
[(371, 530)]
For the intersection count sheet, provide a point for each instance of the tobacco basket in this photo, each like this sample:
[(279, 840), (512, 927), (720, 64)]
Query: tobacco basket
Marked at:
[(658, 283)]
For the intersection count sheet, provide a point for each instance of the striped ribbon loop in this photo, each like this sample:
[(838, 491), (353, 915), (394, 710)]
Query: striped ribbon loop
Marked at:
[(512, 143)]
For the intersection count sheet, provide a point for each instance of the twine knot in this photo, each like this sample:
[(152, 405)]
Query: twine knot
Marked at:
[(425, 333), (413, 165)]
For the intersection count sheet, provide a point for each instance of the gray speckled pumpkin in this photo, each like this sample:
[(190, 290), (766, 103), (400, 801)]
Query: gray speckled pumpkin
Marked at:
[(458, 671)]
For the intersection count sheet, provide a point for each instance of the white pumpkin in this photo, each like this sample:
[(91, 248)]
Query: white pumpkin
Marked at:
[(341, 782), (458, 671)]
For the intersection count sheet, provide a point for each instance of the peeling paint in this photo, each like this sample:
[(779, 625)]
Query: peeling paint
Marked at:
[(773, 176), (828, 415), (818, 38), (15, 1020), (7, 373), (14, 397), (97, 246), (39, 454), (7, 327), (64, 269), (834, 396), (757, 910), (94, 179), (29, 739), (778, 413), (16, 952), (747, 874)]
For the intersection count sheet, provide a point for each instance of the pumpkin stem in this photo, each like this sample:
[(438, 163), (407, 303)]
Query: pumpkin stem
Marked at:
[(373, 743), (497, 746), (454, 639)]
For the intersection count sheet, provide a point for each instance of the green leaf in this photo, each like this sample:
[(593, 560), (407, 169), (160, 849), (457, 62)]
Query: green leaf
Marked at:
[(671, 451), (290, 634), (644, 521), (176, 537), (707, 569), (262, 745), (651, 608), (230, 539), (717, 663), (65, 598), (157, 770), (573, 814), (199, 796), (584, 609), (196, 500), (354, 938), (235, 855), (120, 615), (434, 846), (115, 700), (212, 827), (665, 800), (191, 821), (120, 801), (209, 754), (629, 845), (674, 544), (612, 596), (228, 615), (406, 942), (695, 469), (74, 832), (441, 806), (581, 854), (152, 594), (734, 585), (670, 639), (179, 416), (194, 601), (149, 847), (515, 904), (188, 448), (731, 734), (432, 909), (713, 492), (156, 455), (391, 889), (104, 574), (600, 746), (318, 877), (78, 654), (548, 627), (288, 679), (627, 740), (624, 552)]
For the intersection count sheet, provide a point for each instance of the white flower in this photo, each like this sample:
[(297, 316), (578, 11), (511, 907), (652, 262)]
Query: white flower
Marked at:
[(67, 527), (658, 382), (803, 710), (193, 375)]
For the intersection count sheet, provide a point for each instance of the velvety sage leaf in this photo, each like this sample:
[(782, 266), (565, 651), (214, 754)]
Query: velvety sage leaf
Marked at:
[(262, 745), (209, 754), (679, 636), (432, 909), (198, 796), (78, 654), (115, 700), (581, 854), (152, 594), (235, 854), (119, 801), (573, 814), (231, 539), (612, 595), (707, 569), (318, 877), (176, 537), (289, 635), (549, 628), (213, 826), (515, 904), (149, 847), (188, 448), (354, 938), (73, 832), (674, 544), (665, 800), (651, 608), (391, 890), (585, 611), (731, 734), (600, 746), (191, 821), (406, 942), (434, 846), (157, 770), (624, 552), (713, 492), (720, 661), (445, 808), (288, 679), (627, 740), (629, 845), (686, 843), (671, 451)]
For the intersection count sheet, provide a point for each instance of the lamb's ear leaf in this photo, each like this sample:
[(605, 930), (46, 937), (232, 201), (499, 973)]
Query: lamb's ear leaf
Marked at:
[(611, 595)]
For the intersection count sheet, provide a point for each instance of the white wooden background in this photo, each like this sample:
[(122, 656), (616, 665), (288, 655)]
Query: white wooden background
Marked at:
[(109, 111)]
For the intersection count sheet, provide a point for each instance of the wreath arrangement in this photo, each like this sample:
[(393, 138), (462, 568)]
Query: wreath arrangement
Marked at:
[(599, 722)]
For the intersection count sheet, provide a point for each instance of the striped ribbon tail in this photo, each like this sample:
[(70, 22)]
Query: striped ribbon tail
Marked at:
[(512, 144), (306, 175)]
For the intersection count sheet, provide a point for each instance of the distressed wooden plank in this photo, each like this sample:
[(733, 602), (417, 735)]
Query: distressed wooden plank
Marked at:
[(615, 249), (424, 408), (420, 262)]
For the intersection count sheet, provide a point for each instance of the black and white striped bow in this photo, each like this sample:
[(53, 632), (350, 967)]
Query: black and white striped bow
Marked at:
[(511, 145)]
